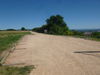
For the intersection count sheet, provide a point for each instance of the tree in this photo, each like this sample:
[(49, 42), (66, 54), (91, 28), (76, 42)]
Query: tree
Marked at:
[(54, 25), (23, 28), (11, 29)]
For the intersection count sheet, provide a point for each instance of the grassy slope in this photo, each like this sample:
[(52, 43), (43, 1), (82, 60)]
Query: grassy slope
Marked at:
[(7, 38)]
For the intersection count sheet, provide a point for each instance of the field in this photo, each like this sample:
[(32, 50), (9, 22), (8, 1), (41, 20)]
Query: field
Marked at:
[(7, 39)]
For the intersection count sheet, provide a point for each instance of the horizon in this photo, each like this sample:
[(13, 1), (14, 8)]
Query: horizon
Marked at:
[(78, 14), (37, 27)]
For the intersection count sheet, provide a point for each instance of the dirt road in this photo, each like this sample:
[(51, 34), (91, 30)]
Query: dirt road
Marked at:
[(57, 55)]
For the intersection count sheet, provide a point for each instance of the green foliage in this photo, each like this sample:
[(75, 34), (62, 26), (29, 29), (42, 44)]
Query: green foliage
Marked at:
[(69, 32), (6, 70), (96, 34), (55, 25), (23, 29), (77, 33)]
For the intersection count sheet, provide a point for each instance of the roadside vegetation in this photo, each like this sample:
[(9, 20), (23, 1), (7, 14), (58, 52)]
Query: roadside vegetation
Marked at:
[(7, 39), (56, 25), (90, 35), (6, 70)]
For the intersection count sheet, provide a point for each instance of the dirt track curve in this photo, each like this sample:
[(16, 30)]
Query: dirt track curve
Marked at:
[(57, 55)]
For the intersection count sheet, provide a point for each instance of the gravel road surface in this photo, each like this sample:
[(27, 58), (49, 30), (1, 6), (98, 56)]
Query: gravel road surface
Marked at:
[(57, 55)]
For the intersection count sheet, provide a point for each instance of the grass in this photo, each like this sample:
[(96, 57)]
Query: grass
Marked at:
[(7, 38), (88, 37), (6, 70)]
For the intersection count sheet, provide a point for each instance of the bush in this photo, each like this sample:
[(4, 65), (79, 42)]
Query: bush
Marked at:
[(96, 34)]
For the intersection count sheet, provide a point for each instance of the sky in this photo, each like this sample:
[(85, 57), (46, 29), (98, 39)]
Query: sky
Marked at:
[(78, 14)]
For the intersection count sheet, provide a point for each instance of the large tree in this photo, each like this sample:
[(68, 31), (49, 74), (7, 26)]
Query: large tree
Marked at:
[(56, 25)]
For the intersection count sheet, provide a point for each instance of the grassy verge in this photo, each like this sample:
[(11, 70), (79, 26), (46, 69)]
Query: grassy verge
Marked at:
[(88, 37), (7, 38), (6, 70)]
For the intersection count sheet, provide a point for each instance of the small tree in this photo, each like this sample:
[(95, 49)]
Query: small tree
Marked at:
[(23, 28)]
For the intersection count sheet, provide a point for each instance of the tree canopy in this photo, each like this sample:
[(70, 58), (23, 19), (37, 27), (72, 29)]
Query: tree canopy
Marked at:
[(23, 28), (54, 25)]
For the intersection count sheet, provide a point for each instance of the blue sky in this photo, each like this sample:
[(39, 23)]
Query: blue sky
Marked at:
[(78, 14)]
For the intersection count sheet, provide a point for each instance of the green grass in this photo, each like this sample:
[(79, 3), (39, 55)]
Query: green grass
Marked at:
[(94, 38), (6, 70), (88, 37), (7, 38)]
